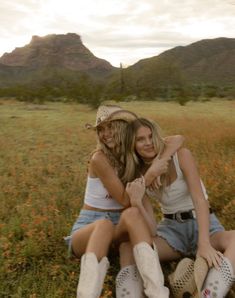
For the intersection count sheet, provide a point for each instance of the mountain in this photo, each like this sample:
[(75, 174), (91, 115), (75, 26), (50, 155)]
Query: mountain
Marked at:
[(209, 61), (45, 55), (57, 61)]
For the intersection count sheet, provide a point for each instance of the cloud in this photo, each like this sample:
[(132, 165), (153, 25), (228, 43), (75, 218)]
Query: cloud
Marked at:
[(117, 30)]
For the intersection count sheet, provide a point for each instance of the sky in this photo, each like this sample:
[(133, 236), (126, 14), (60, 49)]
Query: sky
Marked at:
[(119, 31)]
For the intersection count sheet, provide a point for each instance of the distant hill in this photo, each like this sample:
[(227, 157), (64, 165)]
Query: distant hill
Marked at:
[(209, 61), (60, 65), (44, 56)]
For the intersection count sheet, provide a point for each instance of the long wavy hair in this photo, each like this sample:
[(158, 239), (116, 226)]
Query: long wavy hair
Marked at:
[(135, 165), (116, 156)]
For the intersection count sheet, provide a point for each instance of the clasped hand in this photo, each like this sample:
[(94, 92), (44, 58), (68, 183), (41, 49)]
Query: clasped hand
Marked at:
[(136, 191), (159, 167)]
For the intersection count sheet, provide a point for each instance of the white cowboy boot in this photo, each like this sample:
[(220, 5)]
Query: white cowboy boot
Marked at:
[(129, 283), (219, 282), (92, 276), (149, 267), (103, 267)]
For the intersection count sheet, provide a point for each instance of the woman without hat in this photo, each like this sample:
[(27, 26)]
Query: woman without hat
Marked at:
[(189, 227)]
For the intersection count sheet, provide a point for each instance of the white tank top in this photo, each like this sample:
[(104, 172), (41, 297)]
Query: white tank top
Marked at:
[(176, 197), (96, 195)]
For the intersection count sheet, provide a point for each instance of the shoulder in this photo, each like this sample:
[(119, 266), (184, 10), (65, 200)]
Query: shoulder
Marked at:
[(98, 154), (184, 152), (174, 138), (99, 161), (185, 158), (98, 158)]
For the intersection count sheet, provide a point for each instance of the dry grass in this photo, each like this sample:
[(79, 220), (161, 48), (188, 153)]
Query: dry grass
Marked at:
[(43, 160)]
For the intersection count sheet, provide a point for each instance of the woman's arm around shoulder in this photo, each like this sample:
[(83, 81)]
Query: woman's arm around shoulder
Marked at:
[(101, 168), (160, 164), (173, 143)]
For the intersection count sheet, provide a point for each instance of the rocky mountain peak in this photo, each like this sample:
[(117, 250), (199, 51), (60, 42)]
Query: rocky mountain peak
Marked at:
[(57, 50), (55, 39)]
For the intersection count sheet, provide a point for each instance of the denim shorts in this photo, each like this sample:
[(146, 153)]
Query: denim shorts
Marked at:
[(89, 216), (183, 236)]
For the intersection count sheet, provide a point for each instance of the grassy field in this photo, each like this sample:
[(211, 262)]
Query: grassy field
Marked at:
[(44, 150)]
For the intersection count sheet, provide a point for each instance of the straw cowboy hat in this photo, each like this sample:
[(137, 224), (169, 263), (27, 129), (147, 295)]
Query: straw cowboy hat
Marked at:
[(188, 278), (110, 113)]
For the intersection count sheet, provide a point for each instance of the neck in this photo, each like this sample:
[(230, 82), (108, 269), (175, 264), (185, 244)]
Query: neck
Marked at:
[(147, 162)]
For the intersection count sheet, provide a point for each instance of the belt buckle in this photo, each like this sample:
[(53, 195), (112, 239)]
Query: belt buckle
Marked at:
[(193, 213), (178, 217)]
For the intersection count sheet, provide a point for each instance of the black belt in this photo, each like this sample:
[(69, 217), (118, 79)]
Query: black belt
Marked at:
[(182, 216)]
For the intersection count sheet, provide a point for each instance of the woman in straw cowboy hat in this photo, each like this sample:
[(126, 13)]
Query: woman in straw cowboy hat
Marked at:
[(189, 226), (105, 198)]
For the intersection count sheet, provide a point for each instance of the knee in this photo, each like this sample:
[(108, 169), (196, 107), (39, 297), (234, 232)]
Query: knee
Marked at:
[(131, 215), (231, 237), (227, 240)]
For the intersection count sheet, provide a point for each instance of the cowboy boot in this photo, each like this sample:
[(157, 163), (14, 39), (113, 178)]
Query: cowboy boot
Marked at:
[(219, 282), (103, 267), (149, 267), (129, 283), (92, 274)]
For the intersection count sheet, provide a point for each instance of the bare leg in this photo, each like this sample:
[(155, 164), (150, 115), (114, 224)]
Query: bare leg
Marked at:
[(92, 242), (88, 238), (165, 251), (126, 254), (132, 221), (145, 254), (128, 280), (225, 242)]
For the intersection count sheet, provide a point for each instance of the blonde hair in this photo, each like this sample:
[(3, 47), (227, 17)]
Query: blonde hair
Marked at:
[(117, 155), (134, 163)]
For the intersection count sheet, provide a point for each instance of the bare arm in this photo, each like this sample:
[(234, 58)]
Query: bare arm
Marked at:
[(101, 168), (201, 206), (159, 166), (136, 192), (173, 144)]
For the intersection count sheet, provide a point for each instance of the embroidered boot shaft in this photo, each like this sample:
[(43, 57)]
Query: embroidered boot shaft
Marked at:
[(149, 267), (129, 283)]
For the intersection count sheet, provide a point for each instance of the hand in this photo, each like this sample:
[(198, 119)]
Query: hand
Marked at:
[(212, 256), (136, 191), (173, 143), (155, 184), (160, 166)]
